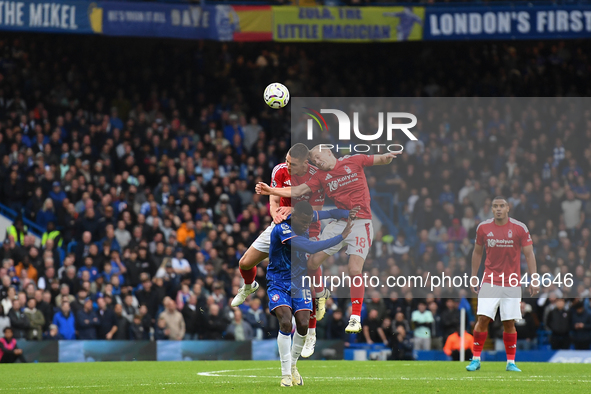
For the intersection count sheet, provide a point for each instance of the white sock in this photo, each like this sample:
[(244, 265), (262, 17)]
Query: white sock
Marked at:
[(510, 361), (284, 344), (476, 358), (296, 348), (356, 318), (248, 287), (312, 331)]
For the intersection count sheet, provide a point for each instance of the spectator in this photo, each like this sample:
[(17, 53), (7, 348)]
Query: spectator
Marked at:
[(36, 319), (572, 212), (239, 329), (53, 334), (191, 318), (174, 320), (9, 351), (136, 329), (122, 324), (162, 331), (580, 327), (436, 330), (107, 320), (336, 326), (216, 324), (87, 321), (422, 320), (4, 320), (256, 318), (46, 214), (147, 296), (559, 324), (450, 318), (401, 344), (453, 345), (65, 322), (456, 233), (19, 321), (526, 328), (372, 329)]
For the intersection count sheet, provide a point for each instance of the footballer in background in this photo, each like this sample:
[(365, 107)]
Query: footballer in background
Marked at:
[(504, 239)]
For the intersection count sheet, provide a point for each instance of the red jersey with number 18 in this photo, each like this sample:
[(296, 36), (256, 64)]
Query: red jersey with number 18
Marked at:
[(503, 250), (346, 184)]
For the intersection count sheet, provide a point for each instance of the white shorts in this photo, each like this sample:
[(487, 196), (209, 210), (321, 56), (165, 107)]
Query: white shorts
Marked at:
[(358, 242), (491, 298), (263, 241)]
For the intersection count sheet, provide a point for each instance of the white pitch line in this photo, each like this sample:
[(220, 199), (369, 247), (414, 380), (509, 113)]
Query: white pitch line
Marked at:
[(223, 373)]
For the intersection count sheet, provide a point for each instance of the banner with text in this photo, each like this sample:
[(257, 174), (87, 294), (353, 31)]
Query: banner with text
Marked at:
[(47, 16), (507, 22), (348, 24), (220, 22)]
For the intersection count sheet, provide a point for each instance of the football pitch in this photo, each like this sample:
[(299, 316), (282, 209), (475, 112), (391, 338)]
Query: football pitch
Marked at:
[(319, 377)]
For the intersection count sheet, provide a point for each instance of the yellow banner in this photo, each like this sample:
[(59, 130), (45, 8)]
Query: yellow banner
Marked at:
[(348, 24)]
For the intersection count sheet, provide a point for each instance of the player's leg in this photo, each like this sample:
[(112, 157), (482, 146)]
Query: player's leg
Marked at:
[(488, 304), (302, 317), (510, 311), (284, 316), (357, 293), (257, 252)]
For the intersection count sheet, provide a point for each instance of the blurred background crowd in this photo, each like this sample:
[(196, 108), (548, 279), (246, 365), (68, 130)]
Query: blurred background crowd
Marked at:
[(135, 162)]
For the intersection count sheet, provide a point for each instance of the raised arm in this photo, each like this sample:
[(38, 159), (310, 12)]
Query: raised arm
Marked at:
[(286, 192), (312, 247), (386, 158)]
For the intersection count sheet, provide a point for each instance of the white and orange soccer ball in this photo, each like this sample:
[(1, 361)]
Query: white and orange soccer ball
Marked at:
[(276, 95)]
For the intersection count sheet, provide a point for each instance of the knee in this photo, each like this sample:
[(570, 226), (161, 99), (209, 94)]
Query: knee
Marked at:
[(245, 262), (483, 321), (354, 270), (302, 324), (285, 324)]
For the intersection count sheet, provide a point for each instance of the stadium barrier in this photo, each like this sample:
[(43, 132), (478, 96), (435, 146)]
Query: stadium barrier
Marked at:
[(240, 22), (93, 351)]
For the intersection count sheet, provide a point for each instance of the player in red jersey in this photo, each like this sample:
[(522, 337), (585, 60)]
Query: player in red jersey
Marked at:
[(296, 169), (343, 180), (504, 239)]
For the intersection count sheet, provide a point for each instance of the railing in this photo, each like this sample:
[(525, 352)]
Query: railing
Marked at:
[(34, 228)]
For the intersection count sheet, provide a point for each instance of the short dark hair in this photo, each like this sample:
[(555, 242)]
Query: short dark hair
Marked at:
[(304, 207), (7, 328), (299, 151), (499, 198)]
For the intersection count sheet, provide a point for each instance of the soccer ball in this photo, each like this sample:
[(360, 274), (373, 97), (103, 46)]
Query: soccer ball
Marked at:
[(276, 95)]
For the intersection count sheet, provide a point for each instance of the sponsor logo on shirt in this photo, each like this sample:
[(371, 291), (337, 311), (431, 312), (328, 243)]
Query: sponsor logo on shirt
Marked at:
[(500, 243)]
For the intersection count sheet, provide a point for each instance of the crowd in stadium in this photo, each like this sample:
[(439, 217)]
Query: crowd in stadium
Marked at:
[(138, 166)]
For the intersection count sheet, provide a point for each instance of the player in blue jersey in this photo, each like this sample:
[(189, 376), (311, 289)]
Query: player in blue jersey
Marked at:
[(288, 294)]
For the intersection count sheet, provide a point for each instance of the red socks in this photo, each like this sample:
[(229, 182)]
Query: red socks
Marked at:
[(316, 276), (312, 322), (248, 275), (357, 293), (479, 339), (510, 341)]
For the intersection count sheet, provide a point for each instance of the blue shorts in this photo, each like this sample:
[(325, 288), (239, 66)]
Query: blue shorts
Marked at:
[(280, 295)]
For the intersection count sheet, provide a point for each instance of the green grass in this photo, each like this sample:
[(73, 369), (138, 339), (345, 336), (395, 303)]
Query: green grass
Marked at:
[(319, 377)]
